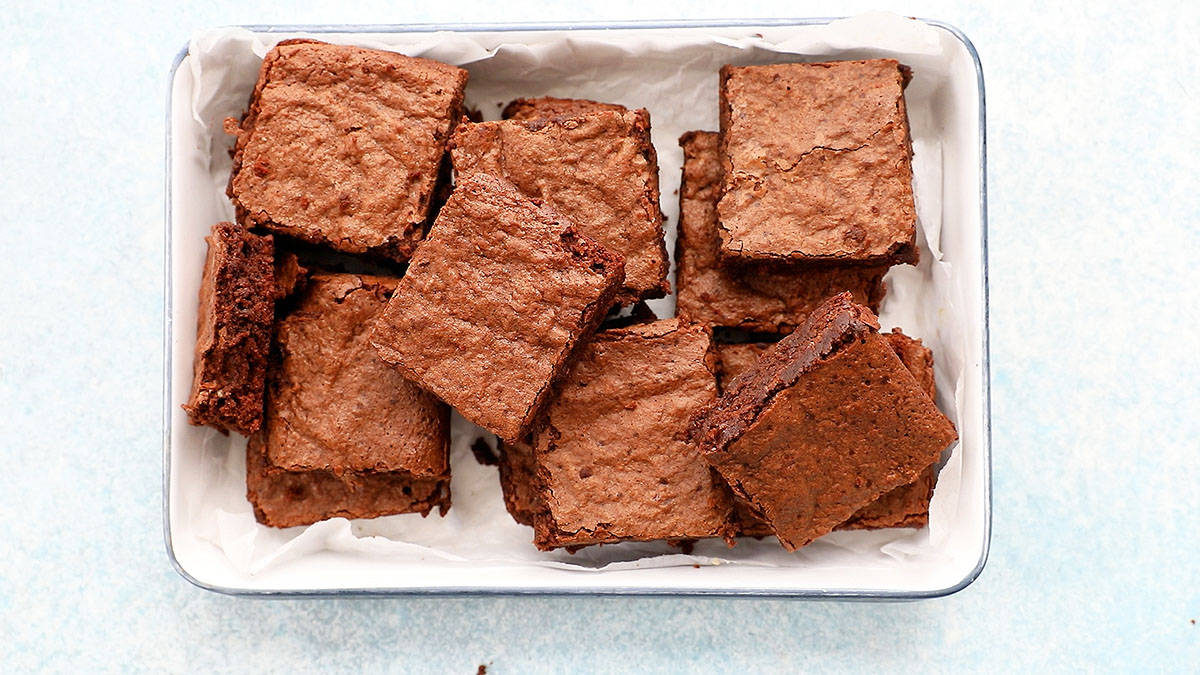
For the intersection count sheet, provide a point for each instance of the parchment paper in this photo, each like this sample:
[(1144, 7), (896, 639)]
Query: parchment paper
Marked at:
[(675, 77)]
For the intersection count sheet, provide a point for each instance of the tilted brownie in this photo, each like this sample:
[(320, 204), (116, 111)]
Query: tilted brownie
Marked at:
[(233, 332), (612, 454), (289, 498), (817, 163), (827, 421), (341, 145), (599, 170), (546, 107), (334, 404), (764, 298), (494, 303), (904, 506)]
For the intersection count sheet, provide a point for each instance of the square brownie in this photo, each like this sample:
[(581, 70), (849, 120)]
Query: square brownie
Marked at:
[(341, 145), (233, 332), (826, 421), (762, 298), (334, 405), (904, 506), (494, 303), (612, 454), (817, 163), (546, 107), (599, 170), (284, 498)]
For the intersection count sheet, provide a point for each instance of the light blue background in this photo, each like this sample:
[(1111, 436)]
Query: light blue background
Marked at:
[(1093, 128)]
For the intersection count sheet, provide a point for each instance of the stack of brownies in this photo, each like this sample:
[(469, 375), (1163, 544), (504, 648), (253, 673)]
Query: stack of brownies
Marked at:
[(512, 291)]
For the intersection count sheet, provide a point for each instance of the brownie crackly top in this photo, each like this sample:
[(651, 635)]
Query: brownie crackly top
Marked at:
[(817, 163), (599, 170), (766, 298), (334, 404), (341, 145), (613, 458), (494, 303)]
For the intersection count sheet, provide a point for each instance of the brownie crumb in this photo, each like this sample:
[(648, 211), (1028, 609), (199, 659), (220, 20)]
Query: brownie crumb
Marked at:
[(482, 670)]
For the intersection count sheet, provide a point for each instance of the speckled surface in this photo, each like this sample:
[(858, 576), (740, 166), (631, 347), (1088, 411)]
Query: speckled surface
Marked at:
[(1093, 119)]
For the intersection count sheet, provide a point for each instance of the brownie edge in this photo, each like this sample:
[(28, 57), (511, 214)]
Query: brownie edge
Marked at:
[(233, 331)]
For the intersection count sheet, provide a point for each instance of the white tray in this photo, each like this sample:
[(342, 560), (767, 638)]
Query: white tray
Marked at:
[(204, 505)]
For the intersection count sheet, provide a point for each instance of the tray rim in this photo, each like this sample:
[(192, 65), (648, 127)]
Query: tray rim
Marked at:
[(855, 595)]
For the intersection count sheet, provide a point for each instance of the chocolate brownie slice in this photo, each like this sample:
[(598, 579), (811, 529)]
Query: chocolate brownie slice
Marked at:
[(827, 421), (546, 107), (612, 455), (599, 170), (341, 145), (289, 498), (817, 163), (494, 303), (334, 404), (519, 482), (763, 298), (904, 506), (233, 332)]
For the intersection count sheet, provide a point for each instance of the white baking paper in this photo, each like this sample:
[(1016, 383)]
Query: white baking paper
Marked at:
[(672, 73)]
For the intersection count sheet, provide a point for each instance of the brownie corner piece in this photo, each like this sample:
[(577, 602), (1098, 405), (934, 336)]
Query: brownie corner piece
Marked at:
[(613, 462), (598, 168), (494, 304), (831, 407), (341, 146), (817, 163), (233, 330)]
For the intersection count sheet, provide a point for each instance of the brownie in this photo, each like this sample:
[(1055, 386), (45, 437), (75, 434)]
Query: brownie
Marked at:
[(827, 421), (494, 303), (817, 163), (547, 107), (762, 298), (290, 275), (233, 332), (904, 506), (341, 145), (334, 405), (599, 170), (519, 481), (613, 459), (288, 498)]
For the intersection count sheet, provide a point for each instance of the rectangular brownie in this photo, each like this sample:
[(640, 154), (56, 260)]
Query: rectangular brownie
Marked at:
[(817, 163), (233, 332), (334, 404), (341, 145), (546, 107), (826, 421), (763, 298), (904, 506), (289, 498), (494, 303), (599, 170), (612, 455)]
